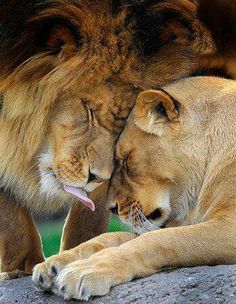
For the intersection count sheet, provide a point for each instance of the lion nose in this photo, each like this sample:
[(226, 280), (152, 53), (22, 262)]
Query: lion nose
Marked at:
[(95, 178), (114, 209)]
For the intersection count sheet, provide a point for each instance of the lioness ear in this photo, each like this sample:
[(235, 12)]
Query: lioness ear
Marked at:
[(158, 103), (155, 107)]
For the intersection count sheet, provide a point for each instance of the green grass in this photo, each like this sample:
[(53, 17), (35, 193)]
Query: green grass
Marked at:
[(116, 225), (51, 234)]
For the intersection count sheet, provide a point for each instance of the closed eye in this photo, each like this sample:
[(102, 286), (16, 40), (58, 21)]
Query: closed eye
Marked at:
[(126, 165), (90, 112), (1, 102), (123, 162)]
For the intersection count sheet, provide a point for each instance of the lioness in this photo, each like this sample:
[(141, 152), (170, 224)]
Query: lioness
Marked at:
[(70, 72), (175, 169)]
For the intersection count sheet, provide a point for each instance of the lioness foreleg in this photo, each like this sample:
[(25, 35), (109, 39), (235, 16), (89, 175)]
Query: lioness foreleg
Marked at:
[(45, 273), (212, 242)]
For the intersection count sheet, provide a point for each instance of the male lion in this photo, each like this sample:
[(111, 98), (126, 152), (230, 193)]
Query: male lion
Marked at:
[(175, 169), (70, 72)]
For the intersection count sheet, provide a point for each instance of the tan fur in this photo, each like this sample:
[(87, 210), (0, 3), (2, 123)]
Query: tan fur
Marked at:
[(175, 168), (67, 97), (23, 249)]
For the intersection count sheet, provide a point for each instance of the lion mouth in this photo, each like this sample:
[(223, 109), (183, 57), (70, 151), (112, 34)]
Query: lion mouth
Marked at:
[(81, 195)]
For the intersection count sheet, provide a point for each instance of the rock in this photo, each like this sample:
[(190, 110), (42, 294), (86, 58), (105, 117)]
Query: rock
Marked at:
[(181, 286)]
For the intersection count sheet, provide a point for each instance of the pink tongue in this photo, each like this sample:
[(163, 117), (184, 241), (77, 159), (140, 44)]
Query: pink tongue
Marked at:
[(82, 196)]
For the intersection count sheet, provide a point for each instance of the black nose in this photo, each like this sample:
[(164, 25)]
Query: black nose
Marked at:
[(114, 209), (94, 178), (155, 214)]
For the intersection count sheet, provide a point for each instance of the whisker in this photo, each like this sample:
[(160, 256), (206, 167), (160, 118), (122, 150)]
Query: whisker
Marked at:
[(131, 219), (148, 225), (30, 168), (173, 181), (142, 228), (142, 218)]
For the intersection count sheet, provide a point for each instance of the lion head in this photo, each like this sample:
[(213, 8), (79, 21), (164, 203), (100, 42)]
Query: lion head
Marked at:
[(166, 150), (78, 69)]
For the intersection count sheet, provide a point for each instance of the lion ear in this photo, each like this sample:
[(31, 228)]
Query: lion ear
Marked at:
[(62, 41), (154, 108), (38, 32)]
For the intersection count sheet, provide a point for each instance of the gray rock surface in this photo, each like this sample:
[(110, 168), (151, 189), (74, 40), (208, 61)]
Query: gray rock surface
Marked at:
[(211, 285)]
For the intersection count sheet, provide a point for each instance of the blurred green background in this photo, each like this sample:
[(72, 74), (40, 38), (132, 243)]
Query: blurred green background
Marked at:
[(51, 233)]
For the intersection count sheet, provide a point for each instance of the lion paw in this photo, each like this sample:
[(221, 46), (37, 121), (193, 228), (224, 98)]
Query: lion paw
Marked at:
[(79, 282), (92, 277), (12, 275), (45, 273)]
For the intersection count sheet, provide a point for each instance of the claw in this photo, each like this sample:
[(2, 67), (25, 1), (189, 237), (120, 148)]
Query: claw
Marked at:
[(54, 271), (41, 279)]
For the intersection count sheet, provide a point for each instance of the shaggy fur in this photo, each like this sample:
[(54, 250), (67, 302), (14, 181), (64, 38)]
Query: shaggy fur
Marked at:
[(175, 168), (70, 72), (221, 21)]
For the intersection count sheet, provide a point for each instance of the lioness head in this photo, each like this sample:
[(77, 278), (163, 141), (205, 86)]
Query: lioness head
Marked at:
[(78, 69), (164, 151)]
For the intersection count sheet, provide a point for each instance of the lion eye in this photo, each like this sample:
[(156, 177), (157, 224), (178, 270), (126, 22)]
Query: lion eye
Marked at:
[(90, 112), (122, 162), (1, 102)]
